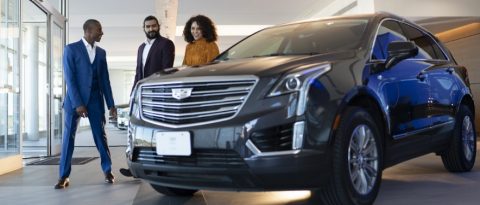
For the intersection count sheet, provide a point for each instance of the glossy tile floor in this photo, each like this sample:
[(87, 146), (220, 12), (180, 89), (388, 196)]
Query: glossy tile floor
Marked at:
[(419, 181)]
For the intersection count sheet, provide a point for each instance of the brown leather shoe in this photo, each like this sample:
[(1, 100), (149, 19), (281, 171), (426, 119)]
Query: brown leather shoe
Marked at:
[(109, 178), (62, 183)]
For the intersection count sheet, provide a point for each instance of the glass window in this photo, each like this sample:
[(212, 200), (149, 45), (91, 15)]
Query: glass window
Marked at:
[(388, 32), (301, 39), (9, 78), (427, 47)]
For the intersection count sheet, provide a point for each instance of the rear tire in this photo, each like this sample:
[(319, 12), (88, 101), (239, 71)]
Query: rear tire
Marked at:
[(169, 191), (357, 160), (461, 153)]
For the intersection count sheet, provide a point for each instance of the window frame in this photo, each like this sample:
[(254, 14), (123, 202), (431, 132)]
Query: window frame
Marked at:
[(371, 60), (433, 41)]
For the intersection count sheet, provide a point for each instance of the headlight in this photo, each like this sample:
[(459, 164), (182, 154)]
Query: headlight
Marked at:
[(134, 102), (299, 81)]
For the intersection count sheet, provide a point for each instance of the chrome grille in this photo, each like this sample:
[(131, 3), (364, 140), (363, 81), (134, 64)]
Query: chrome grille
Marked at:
[(211, 100)]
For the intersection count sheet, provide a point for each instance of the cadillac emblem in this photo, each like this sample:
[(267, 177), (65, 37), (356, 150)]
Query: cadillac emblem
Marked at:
[(181, 93)]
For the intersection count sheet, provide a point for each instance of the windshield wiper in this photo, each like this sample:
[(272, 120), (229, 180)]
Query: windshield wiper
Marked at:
[(283, 54), (309, 53), (272, 54)]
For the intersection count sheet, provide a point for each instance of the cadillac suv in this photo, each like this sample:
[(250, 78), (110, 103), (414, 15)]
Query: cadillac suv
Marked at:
[(324, 105)]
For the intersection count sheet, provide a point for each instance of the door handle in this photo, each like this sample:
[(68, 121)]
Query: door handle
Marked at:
[(421, 76)]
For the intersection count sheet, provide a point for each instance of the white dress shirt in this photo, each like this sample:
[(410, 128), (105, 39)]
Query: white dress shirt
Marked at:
[(148, 45), (90, 50)]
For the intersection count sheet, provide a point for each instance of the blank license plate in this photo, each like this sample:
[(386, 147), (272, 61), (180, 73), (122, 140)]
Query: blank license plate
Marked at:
[(173, 143)]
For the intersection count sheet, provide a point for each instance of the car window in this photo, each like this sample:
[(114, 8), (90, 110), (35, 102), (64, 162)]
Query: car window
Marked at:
[(427, 46), (301, 39), (388, 31)]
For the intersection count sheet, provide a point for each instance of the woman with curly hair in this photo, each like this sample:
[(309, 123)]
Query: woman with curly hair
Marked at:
[(201, 34)]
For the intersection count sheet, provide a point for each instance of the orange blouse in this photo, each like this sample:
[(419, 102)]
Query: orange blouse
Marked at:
[(200, 52)]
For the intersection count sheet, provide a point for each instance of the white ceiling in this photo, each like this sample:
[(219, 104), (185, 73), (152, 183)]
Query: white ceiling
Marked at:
[(122, 21)]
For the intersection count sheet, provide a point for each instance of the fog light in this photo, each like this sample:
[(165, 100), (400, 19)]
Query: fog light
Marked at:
[(298, 129)]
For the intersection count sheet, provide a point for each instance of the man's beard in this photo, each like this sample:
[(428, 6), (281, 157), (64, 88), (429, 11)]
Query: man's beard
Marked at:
[(152, 34)]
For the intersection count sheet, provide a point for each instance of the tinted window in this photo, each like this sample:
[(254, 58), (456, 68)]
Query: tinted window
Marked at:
[(389, 31), (301, 39), (427, 47)]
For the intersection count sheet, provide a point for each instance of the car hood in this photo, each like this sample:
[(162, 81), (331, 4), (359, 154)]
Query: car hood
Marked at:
[(258, 66)]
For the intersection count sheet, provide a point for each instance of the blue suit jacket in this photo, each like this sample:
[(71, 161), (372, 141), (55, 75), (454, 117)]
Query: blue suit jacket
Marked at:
[(78, 75)]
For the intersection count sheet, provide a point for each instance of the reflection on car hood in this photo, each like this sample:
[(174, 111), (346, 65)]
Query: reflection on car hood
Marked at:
[(259, 66)]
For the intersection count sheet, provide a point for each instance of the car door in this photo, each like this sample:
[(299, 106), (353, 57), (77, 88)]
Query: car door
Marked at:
[(405, 90), (405, 85), (441, 77)]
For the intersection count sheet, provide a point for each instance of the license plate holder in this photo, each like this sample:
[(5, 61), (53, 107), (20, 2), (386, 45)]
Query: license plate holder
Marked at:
[(173, 143)]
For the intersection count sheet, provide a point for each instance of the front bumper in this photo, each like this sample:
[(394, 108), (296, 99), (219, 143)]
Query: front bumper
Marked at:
[(225, 170), (222, 158)]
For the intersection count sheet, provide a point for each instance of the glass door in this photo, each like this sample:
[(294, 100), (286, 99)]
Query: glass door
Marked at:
[(56, 118), (43, 30), (35, 84)]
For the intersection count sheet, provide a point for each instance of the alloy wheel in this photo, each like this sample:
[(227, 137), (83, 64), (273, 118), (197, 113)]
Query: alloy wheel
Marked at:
[(468, 138), (363, 159)]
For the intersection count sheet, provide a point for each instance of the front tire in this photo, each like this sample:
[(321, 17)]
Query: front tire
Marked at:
[(357, 160), (460, 155), (169, 191)]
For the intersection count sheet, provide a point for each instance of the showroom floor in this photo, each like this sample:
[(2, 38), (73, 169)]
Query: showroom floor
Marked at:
[(420, 181)]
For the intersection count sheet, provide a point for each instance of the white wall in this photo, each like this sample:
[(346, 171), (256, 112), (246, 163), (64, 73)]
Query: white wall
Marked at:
[(429, 8), (405, 8), (467, 55)]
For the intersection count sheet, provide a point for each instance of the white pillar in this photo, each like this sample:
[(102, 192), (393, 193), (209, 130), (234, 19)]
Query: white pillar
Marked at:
[(31, 83), (166, 12)]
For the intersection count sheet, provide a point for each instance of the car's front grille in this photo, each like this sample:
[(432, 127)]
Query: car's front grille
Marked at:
[(194, 101), (199, 158), (273, 139)]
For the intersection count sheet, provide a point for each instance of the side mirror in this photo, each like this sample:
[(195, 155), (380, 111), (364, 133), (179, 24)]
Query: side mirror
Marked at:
[(400, 50)]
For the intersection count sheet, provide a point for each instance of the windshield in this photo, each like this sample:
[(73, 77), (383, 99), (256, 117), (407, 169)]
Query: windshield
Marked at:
[(301, 39), (123, 114)]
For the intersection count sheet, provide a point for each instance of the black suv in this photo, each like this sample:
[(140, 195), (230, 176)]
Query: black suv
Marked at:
[(322, 104)]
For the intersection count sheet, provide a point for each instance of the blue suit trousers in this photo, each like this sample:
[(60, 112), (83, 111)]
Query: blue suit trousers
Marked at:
[(96, 116)]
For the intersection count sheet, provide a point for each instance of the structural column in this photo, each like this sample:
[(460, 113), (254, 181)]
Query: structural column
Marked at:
[(31, 83), (166, 12)]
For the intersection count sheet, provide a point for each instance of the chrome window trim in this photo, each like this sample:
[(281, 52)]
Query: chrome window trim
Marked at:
[(209, 79)]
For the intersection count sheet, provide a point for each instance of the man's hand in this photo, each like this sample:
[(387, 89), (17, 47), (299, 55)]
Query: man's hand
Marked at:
[(113, 112), (82, 111)]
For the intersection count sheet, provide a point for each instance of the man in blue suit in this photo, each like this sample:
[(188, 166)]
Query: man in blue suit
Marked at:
[(86, 75)]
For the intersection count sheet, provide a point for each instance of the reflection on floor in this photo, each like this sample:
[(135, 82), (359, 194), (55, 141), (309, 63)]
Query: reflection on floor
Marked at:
[(420, 181)]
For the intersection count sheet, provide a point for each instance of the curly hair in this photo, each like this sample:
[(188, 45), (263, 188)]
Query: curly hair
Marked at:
[(209, 32)]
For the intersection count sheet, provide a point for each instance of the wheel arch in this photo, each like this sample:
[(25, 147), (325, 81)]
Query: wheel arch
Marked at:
[(367, 99), (467, 100)]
